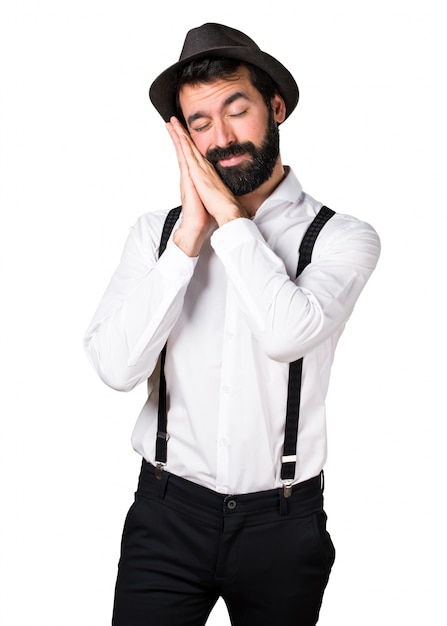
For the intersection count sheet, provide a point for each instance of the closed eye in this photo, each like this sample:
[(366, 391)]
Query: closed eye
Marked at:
[(201, 128), (238, 114)]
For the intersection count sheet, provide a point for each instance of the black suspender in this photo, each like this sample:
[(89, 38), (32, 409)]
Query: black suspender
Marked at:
[(161, 446), (294, 387), (296, 367), (169, 224)]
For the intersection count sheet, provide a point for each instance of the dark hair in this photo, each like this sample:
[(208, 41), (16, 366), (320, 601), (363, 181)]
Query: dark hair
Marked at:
[(211, 69)]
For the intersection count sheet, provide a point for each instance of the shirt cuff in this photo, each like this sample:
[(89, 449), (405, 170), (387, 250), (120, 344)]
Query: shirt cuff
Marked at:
[(234, 234), (175, 262)]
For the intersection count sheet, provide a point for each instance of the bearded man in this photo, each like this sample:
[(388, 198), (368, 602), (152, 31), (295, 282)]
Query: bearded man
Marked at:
[(235, 343)]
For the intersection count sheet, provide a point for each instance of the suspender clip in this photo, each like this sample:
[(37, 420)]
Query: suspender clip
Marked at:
[(161, 435), (287, 488), (159, 470)]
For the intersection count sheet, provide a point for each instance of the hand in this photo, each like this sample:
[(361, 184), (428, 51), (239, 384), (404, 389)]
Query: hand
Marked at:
[(200, 179), (196, 221)]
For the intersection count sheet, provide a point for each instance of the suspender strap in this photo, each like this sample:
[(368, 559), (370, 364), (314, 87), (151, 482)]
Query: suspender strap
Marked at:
[(161, 446), (170, 222), (296, 367), (310, 237)]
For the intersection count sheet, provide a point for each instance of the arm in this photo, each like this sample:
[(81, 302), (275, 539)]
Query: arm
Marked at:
[(139, 308), (145, 296), (289, 317)]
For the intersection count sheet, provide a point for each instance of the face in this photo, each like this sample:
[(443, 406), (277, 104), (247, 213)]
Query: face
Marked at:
[(234, 129)]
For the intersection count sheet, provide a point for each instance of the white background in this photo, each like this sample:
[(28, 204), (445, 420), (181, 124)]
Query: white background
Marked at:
[(83, 154)]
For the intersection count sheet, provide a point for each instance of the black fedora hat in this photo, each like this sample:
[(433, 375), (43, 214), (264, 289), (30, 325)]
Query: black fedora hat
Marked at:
[(216, 40)]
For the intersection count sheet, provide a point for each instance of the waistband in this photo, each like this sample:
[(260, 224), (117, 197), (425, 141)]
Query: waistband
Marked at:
[(180, 493)]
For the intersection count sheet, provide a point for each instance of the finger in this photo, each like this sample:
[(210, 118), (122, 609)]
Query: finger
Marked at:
[(189, 157), (178, 148), (189, 148), (188, 191)]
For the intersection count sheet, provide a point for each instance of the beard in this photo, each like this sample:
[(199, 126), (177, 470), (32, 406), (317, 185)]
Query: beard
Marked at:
[(246, 177)]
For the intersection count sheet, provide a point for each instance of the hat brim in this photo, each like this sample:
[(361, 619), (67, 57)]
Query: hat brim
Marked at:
[(163, 90)]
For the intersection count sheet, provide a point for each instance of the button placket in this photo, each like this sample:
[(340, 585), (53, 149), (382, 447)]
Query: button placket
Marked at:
[(223, 469)]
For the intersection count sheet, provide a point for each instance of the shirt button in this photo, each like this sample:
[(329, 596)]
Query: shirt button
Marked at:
[(231, 504)]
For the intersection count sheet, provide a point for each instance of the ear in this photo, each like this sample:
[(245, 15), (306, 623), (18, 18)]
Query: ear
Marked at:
[(278, 108)]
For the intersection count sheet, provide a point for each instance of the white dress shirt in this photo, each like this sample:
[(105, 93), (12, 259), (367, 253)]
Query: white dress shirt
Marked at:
[(234, 317)]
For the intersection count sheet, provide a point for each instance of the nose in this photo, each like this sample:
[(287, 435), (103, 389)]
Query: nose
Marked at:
[(223, 134)]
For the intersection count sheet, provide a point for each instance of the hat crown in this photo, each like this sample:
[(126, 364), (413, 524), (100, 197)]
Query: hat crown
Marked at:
[(218, 41), (210, 36)]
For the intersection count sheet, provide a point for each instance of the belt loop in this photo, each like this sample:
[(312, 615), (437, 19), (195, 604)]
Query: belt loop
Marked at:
[(322, 481), (283, 504), (163, 485)]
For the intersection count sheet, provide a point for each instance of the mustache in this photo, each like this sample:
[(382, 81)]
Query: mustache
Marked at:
[(216, 154)]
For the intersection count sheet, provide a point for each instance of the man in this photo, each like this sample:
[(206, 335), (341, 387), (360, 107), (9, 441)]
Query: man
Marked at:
[(225, 507)]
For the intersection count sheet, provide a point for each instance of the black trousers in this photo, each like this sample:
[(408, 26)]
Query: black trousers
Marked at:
[(184, 546)]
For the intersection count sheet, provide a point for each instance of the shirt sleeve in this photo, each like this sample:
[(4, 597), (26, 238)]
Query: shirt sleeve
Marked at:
[(139, 307), (288, 317)]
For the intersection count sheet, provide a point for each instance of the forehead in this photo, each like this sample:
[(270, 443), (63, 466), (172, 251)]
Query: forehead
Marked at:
[(206, 97)]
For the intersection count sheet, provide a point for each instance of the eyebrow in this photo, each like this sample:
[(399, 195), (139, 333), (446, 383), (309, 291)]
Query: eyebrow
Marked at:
[(234, 96)]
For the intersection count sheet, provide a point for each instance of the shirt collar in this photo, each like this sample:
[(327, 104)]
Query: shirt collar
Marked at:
[(289, 190)]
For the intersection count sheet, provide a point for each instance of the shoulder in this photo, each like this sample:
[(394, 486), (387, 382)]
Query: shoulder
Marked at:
[(144, 236), (340, 227), (149, 226), (343, 235), (349, 238), (151, 223), (345, 226)]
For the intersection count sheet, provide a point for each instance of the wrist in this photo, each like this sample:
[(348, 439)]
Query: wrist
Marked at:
[(232, 212), (189, 241)]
